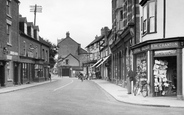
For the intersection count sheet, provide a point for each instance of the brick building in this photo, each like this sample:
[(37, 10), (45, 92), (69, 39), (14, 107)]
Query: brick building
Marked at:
[(70, 56), (9, 42), (34, 53), (125, 30)]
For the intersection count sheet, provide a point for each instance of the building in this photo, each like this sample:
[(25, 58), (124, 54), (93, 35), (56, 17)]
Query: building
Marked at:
[(98, 54), (34, 53), (125, 33), (9, 42), (70, 57), (160, 51)]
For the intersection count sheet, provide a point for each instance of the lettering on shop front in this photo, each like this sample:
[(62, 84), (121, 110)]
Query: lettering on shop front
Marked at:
[(144, 48), (164, 45), (165, 53)]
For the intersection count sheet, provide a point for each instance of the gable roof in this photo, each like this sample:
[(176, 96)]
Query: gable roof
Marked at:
[(97, 39), (68, 56), (67, 37)]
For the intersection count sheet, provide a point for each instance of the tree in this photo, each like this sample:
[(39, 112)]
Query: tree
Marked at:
[(52, 53)]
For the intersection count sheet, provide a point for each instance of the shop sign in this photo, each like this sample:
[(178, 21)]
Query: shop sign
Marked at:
[(165, 53), (14, 53), (165, 45), (30, 54), (8, 57), (144, 48)]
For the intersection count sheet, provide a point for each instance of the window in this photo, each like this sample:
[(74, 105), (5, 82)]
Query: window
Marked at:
[(149, 18), (121, 15), (24, 49), (8, 8), (43, 54), (36, 51), (67, 61), (8, 30)]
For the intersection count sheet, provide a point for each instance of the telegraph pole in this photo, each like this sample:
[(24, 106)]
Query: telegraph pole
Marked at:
[(35, 9)]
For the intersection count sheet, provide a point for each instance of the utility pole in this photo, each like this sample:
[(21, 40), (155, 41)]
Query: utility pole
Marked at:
[(35, 9)]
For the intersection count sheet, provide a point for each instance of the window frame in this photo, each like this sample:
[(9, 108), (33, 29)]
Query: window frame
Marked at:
[(145, 22), (8, 7)]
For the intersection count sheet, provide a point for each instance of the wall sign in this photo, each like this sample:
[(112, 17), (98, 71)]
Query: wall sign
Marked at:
[(165, 45), (144, 48), (165, 53)]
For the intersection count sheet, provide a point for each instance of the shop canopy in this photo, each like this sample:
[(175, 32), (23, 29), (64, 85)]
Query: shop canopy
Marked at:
[(104, 59), (97, 62)]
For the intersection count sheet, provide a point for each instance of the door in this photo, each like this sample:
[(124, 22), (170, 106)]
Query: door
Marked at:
[(65, 72)]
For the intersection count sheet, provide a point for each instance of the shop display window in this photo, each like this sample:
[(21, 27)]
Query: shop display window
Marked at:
[(164, 71), (141, 70)]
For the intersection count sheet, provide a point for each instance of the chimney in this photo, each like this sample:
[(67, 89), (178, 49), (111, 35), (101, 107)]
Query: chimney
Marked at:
[(67, 34)]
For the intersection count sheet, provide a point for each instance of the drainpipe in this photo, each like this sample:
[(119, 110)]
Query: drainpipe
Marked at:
[(164, 19)]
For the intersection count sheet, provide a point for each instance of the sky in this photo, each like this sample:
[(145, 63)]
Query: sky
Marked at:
[(82, 18)]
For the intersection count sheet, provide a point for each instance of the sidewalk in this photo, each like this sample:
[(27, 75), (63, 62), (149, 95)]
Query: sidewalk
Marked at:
[(19, 87), (120, 94)]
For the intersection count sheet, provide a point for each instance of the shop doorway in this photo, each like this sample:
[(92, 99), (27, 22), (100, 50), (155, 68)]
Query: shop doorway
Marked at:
[(16, 73), (2, 74), (165, 76)]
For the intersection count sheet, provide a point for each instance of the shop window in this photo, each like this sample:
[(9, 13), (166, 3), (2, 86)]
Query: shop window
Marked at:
[(165, 77), (149, 18), (141, 70)]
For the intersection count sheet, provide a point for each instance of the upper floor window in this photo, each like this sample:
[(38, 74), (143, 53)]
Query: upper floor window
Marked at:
[(8, 7), (8, 27), (24, 48), (149, 18), (67, 61), (36, 50), (43, 54)]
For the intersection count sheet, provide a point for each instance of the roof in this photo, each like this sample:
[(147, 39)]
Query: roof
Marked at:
[(23, 19), (95, 40), (68, 56), (44, 42), (67, 37), (82, 51)]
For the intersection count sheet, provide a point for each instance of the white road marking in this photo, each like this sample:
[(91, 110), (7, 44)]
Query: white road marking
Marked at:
[(63, 86)]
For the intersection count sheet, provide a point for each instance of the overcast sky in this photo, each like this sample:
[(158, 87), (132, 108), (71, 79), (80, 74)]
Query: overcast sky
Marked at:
[(82, 18)]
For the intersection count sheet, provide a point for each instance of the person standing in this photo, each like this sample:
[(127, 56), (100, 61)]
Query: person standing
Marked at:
[(50, 76), (130, 77)]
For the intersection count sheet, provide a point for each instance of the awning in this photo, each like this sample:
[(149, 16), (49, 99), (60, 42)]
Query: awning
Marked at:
[(97, 62), (104, 59)]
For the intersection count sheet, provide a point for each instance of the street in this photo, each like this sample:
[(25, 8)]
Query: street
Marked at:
[(70, 96)]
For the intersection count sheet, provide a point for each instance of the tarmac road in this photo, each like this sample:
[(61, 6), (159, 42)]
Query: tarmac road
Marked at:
[(70, 96)]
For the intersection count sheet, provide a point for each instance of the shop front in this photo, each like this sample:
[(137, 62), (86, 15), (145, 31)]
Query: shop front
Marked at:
[(160, 63)]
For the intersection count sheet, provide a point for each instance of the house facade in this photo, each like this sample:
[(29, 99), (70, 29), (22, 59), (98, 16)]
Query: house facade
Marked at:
[(125, 33), (160, 51), (20, 47), (34, 53), (70, 57), (9, 36)]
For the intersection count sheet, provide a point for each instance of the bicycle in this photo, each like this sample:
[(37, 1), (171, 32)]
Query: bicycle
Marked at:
[(169, 89), (141, 86)]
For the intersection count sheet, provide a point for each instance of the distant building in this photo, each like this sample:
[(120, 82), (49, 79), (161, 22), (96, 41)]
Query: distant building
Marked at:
[(70, 56)]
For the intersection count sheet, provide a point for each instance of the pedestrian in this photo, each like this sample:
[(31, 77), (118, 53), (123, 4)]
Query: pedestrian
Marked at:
[(130, 77), (50, 76), (81, 76)]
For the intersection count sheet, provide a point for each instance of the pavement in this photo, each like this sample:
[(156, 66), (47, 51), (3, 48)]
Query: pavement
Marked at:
[(116, 91)]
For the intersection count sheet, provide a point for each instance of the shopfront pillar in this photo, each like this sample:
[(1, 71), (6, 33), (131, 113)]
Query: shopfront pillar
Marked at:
[(179, 73), (151, 77)]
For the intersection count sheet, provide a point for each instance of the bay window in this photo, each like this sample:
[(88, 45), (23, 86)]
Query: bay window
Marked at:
[(149, 18)]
